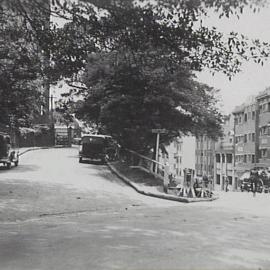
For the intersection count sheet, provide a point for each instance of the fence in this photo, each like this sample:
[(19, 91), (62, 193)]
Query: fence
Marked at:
[(136, 160), (45, 137)]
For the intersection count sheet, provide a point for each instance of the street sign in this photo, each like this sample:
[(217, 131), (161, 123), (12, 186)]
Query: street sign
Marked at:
[(159, 130)]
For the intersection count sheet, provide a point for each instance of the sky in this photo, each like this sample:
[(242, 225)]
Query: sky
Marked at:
[(254, 78)]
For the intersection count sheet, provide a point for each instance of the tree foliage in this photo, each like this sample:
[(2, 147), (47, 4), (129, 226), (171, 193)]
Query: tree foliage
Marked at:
[(142, 74), (20, 66), (128, 102), (145, 53)]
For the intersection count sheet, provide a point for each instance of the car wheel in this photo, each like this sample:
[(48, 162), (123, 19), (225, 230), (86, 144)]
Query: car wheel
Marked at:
[(16, 163), (80, 160)]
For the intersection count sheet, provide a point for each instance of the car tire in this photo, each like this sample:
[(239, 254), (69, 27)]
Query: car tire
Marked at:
[(80, 160), (16, 163)]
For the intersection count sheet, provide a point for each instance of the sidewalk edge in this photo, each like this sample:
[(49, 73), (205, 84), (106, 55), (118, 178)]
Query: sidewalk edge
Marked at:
[(156, 195), (38, 148)]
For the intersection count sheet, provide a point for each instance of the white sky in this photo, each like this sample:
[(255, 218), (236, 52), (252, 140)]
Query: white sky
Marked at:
[(253, 78)]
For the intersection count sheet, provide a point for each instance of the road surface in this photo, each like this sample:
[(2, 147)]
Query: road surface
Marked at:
[(56, 213)]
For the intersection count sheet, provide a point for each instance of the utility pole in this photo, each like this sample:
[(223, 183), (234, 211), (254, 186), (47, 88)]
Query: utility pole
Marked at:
[(158, 132)]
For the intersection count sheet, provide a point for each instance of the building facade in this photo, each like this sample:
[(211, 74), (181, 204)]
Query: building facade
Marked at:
[(224, 157), (263, 127), (245, 121), (204, 155), (180, 155)]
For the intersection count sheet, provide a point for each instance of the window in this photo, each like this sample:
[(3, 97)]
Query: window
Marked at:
[(245, 158), (217, 158), (245, 138), (253, 137), (229, 158), (253, 115), (264, 131), (263, 153), (230, 180), (245, 117), (218, 179), (253, 159)]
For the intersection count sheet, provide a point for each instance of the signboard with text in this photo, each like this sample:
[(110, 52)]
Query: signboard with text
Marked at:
[(159, 130)]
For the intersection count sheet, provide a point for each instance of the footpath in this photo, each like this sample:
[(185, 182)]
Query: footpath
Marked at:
[(146, 184)]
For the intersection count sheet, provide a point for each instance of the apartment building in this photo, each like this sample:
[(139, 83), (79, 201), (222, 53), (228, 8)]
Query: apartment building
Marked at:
[(180, 155), (245, 144), (224, 157), (245, 121), (263, 127), (205, 151)]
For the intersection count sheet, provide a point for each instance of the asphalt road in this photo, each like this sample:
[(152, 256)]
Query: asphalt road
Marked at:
[(56, 213)]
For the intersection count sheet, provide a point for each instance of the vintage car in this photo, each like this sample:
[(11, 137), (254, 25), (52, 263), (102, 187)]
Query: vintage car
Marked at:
[(97, 148), (246, 185), (8, 155)]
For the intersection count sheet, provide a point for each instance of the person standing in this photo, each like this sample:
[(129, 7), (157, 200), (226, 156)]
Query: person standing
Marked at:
[(226, 184)]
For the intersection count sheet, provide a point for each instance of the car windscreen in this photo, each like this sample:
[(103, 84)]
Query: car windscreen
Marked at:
[(92, 140)]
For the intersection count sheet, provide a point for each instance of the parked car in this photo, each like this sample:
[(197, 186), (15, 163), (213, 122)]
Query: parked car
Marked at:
[(246, 185), (266, 189), (76, 141), (8, 155), (97, 148)]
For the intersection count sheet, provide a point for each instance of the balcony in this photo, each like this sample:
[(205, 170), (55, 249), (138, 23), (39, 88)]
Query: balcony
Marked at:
[(264, 141), (224, 146)]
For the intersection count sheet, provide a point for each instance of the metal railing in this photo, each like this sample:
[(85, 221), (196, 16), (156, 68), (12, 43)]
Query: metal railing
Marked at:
[(136, 160)]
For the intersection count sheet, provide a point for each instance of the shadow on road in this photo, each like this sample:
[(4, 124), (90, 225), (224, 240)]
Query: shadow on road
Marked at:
[(20, 169), (105, 173)]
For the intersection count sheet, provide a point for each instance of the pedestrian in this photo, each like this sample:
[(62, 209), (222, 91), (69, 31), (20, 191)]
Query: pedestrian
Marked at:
[(254, 180), (226, 185)]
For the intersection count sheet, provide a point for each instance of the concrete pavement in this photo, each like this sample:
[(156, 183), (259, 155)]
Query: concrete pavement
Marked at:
[(56, 213), (140, 188)]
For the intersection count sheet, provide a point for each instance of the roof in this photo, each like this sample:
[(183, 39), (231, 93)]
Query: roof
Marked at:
[(241, 108), (264, 93)]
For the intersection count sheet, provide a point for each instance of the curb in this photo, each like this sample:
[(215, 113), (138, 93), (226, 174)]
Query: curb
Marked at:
[(156, 195), (39, 148)]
